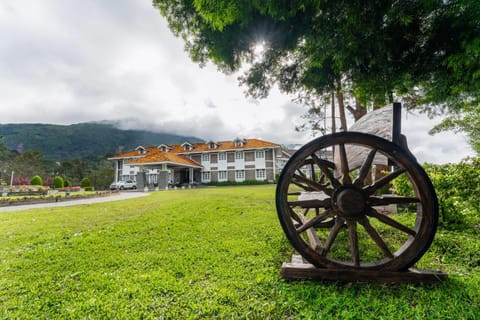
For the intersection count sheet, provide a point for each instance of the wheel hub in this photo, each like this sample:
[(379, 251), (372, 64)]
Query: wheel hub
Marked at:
[(350, 202)]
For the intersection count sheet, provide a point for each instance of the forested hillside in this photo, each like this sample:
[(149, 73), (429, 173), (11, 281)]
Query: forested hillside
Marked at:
[(79, 141)]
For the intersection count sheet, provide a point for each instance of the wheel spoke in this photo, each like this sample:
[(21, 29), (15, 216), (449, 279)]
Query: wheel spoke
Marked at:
[(387, 220), (304, 187), (352, 234), (344, 165), (332, 235), (386, 200), (384, 181), (316, 186), (312, 222), (367, 164), (295, 216), (375, 237), (324, 166), (312, 236), (311, 203)]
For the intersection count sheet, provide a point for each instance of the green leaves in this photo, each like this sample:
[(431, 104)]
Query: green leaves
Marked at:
[(377, 51)]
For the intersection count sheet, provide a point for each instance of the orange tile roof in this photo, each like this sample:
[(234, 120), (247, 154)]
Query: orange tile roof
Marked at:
[(154, 155), (226, 145)]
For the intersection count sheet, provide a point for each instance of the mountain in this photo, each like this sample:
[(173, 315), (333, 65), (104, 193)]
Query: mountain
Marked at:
[(82, 140)]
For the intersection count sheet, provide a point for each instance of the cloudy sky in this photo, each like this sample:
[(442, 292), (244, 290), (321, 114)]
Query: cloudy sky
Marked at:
[(65, 61)]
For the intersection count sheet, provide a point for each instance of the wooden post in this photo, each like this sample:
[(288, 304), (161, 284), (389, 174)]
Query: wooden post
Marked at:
[(396, 123)]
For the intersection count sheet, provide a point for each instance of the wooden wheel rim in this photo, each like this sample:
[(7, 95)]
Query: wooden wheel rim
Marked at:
[(426, 216)]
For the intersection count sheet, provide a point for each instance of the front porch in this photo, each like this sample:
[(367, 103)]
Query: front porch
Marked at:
[(167, 176)]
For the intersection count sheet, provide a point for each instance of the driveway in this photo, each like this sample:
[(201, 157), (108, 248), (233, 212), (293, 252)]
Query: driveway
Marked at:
[(116, 197)]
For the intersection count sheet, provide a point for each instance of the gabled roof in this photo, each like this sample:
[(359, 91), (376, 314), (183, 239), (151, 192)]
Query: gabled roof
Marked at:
[(153, 155), (156, 156), (228, 145)]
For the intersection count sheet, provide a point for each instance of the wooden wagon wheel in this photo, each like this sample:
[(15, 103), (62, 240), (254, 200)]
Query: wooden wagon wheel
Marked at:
[(336, 215)]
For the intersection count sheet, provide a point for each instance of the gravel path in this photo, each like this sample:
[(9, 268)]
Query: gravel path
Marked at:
[(116, 197)]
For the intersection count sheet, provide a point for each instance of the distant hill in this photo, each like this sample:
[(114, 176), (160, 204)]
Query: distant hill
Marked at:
[(82, 140)]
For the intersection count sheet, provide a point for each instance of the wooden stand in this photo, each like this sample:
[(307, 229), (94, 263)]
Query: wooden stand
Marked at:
[(299, 270)]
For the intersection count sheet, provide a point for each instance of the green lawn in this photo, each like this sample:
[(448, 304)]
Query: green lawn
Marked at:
[(201, 253)]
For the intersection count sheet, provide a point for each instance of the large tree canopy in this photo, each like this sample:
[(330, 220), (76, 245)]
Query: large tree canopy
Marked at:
[(376, 51)]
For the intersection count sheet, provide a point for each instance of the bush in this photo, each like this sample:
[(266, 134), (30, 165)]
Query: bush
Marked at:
[(58, 182), (85, 183), (457, 186), (66, 182), (36, 181), (234, 183), (48, 182)]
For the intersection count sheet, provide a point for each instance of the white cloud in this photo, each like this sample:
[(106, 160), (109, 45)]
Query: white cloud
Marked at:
[(68, 62)]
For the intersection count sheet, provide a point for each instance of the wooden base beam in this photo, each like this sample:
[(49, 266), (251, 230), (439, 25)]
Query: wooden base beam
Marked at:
[(299, 270)]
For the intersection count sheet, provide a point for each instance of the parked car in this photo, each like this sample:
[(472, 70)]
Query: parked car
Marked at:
[(123, 185)]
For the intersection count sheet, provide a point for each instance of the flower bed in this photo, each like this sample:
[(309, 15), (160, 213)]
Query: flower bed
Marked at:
[(22, 200)]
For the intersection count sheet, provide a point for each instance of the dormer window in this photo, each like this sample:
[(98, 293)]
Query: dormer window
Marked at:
[(187, 146), (164, 148), (212, 145), (141, 150), (238, 142)]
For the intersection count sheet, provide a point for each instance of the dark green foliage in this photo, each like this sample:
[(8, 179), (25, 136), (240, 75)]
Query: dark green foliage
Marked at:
[(457, 186), (36, 181), (80, 141), (102, 177), (5, 153), (66, 183), (85, 183), (376, 51), (58, 182)]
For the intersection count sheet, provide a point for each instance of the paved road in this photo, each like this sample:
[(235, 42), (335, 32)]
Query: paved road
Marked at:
[(116, 197)]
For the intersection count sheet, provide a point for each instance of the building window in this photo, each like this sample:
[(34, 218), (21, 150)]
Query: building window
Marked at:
[(240, 175), (206, 176), (187, 146), (260, 174), (205, 157), (222, 156), (239, 155), (222, 175), (259, 154), (238, 142)]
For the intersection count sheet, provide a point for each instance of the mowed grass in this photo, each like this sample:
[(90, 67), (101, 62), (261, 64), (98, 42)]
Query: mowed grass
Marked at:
[(201, 253)]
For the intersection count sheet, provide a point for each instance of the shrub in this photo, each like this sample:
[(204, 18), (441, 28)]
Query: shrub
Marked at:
[(66, 182), (457, 186), (58, 182), (85, 183), (36, 181), (21, 181), (234, 183), (48, 182)]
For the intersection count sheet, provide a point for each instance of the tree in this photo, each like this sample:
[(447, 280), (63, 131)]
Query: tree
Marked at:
[(74, 169), (58, 182), (367, 53), (86, 183), (467, 121), (5, 153), (36, 181)]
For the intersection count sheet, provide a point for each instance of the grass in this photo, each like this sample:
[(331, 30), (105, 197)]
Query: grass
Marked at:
[(201, 254)]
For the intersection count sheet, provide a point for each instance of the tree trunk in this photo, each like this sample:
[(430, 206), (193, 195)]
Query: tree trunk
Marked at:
[(341, 109), (359, 110), (334, 126)]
